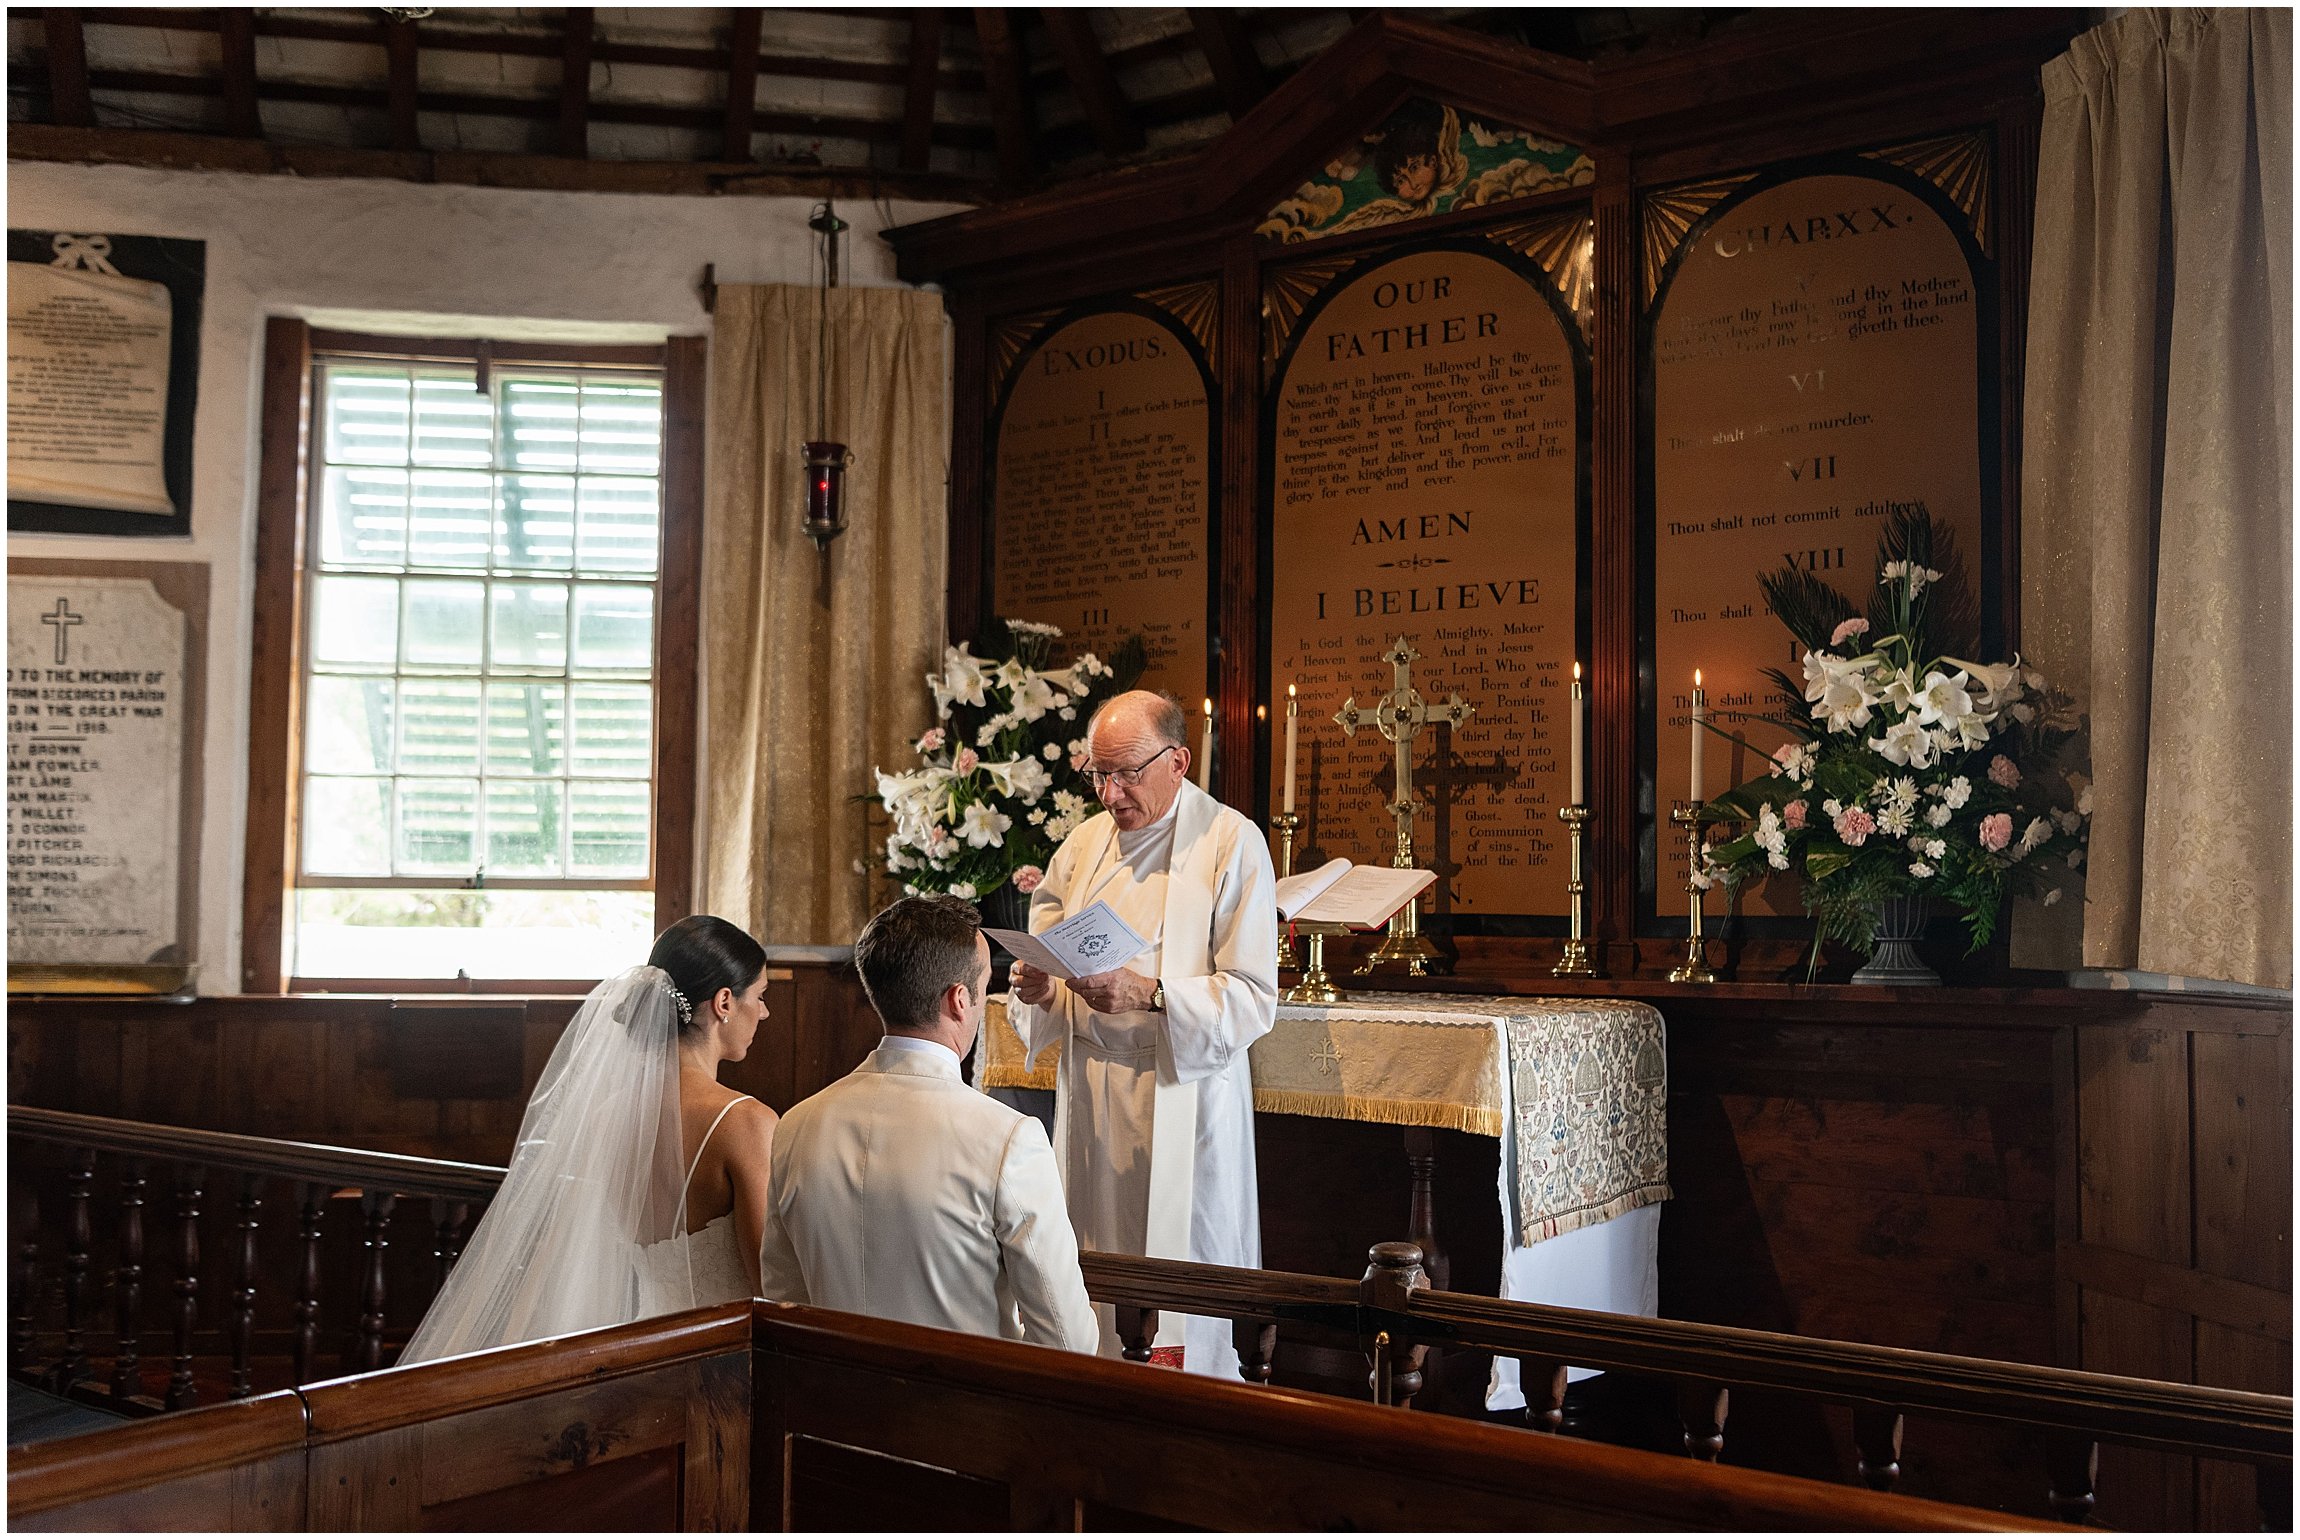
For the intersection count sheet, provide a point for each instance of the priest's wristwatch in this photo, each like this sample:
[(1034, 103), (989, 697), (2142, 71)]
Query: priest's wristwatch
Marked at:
[(1158, 997)]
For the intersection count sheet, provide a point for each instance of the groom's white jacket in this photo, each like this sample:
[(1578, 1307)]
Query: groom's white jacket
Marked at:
[(901, 1192)]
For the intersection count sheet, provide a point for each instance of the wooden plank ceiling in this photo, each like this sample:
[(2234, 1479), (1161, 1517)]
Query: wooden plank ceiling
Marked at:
[(968, 104)]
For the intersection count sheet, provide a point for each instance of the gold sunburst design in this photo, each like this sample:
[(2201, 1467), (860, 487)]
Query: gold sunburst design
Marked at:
[(1009, 336), (1961, 166), (1565, 247), (1286, 292), (1198, 306), (1668, 215)]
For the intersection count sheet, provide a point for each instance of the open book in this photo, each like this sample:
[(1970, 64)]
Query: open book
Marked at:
[(1092, 941), (1361, 897)]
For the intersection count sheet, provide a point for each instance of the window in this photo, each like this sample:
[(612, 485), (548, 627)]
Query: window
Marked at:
[(482, 604)]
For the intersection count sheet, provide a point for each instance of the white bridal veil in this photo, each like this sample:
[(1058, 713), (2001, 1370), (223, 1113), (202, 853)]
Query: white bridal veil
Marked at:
[(595, 1177)]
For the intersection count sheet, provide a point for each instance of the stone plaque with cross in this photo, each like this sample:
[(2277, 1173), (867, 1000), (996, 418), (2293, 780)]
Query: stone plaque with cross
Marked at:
[(103, 707)]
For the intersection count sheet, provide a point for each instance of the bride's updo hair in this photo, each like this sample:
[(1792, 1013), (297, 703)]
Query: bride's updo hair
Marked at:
[(704, 954)]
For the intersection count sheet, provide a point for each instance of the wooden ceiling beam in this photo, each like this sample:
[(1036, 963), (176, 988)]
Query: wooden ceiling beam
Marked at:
[(1002, 72), (1230, 55), (237, 33), (918, 93), (742, 82), (68, 101), (1107, 112), (575, 85), (400, 44), (452, 39)]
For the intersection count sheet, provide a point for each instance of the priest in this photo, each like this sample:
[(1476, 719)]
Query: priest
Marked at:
[(1154, 1103)]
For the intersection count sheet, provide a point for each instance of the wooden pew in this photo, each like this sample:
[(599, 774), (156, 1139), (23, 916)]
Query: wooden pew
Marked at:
[(239, 1466)]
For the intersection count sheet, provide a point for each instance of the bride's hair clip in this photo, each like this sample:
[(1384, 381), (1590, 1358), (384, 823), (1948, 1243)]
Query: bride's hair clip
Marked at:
[(679, 1002)]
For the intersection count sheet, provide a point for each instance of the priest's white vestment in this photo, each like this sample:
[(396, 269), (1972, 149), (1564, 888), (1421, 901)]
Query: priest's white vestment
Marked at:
[(1154, 1111)]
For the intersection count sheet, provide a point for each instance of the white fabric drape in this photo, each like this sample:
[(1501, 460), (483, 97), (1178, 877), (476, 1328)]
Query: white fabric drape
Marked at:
[(2156, 539)]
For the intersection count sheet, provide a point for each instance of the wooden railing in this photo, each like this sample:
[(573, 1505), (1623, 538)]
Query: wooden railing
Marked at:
[(193, 1160), (791, 1418), (1393, 1310)]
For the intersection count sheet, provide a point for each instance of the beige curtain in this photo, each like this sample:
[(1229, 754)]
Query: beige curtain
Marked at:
[(813, 666), (2156, 538)]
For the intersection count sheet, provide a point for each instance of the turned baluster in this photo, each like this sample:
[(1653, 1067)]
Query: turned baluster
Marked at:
[(191, 1182), (1393, 1272), (1877, 1434), (27, 1279), (447, 1217), (1137, 1328), (311, 1199), (2073, 1462), (1544, 1382), (128, 1283), (1421, 1207), (377, 1206), (1257, 1344), (78, 1179), (1701, 1408), (244, 1296)]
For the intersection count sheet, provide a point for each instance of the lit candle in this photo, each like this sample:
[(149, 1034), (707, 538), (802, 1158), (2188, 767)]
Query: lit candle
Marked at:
[(1700, 715), (1293, 722), (1577, 746), (1206, 750)]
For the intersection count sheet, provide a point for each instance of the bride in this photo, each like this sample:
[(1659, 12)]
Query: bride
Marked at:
[(639, 1183)]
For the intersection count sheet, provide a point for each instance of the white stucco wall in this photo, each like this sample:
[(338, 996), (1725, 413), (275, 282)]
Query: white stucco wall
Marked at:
[(388, 256)]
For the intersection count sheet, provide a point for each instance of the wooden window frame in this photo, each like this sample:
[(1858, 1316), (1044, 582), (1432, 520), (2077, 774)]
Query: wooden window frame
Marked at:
[(275, 693)]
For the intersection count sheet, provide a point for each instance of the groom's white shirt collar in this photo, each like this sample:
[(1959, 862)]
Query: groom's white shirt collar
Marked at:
[(897, 1043)]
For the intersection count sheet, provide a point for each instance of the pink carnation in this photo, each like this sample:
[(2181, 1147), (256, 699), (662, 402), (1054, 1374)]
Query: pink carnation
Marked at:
[(1793, 816), (1854, 825), (1847, 629), (1027, 879), (930, 741), (966, 761), (1996, 829), (2004, 772)]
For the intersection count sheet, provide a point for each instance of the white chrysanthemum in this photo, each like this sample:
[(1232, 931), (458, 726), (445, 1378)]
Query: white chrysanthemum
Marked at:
[(1893, 820)]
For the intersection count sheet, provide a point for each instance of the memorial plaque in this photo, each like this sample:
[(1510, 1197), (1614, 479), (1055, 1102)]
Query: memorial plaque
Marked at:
[(1815, 365), (1101, 492), (103, 717), (1425, 445)]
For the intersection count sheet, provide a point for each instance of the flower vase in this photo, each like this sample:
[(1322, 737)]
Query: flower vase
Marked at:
[(1900, 924)]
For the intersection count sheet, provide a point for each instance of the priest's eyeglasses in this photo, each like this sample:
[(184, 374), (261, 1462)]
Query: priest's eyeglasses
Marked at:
[(1127, 778)]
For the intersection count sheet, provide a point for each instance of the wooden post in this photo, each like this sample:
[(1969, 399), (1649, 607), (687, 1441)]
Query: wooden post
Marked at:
[(190, 1182), (1421, 1207), (1701, 1408), (2073, 1462), (1393, 1272), (243, 1320), (1257, 1343), (1877, 1434), (311, 1197), (1543, 1380), (377, 1206), (447, 1217), (1137, 1329), (77, 1180), (128, 1284)]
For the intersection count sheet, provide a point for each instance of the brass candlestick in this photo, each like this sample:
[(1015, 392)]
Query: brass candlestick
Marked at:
[(1285, 825), (1316, 988), (1695, 968), (1576, 963)]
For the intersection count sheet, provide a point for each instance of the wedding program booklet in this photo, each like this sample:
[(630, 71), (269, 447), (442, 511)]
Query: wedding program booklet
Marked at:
[(1094, 940), (1361, 897)]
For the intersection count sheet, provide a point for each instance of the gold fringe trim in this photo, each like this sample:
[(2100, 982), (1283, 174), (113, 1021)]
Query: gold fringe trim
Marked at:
[(1377, 1109), (1596, 1214)]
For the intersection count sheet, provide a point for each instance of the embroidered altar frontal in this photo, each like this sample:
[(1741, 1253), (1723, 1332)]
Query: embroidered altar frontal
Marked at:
[(1576, 1089)]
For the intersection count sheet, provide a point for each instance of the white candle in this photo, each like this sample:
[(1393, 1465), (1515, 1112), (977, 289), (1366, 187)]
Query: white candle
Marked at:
[(1206, 750), (1577, 746), (1700, 714), (1293, 722)]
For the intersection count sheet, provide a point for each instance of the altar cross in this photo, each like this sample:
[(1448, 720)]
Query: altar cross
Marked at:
[(63, 620)]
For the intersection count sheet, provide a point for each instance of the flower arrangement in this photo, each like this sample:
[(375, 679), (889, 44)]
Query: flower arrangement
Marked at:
[(1910, 771), (1002, 781)]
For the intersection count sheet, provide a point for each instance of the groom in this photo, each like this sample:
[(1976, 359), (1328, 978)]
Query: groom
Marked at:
[(901, 1192)]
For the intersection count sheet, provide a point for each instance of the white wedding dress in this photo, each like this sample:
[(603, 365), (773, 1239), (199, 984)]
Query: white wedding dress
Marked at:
[(694, 1267)]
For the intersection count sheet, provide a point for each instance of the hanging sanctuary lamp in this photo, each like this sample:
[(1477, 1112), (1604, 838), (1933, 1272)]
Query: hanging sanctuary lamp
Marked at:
[(826, 459)]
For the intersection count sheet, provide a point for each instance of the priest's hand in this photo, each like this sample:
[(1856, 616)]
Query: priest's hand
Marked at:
[(1031, 986), (1114, 993)]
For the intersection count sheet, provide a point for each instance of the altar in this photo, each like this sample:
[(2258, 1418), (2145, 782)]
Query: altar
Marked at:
[(1575, 1092)]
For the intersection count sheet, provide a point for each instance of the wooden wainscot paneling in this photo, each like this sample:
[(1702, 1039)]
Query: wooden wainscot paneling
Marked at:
[(236, 1468)]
